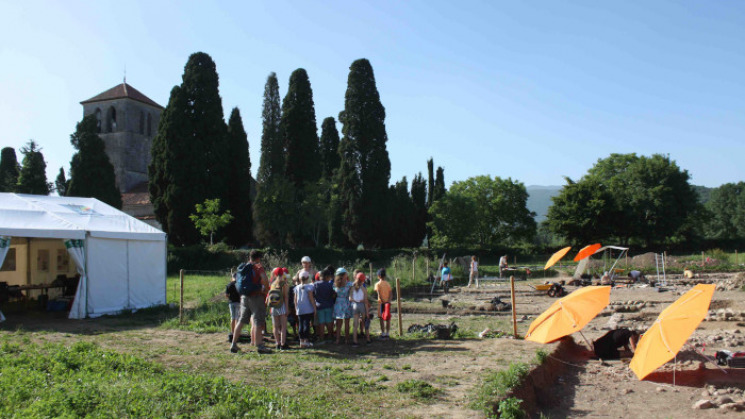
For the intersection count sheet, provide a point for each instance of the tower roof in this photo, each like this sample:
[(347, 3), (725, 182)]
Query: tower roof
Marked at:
[(121, 91)]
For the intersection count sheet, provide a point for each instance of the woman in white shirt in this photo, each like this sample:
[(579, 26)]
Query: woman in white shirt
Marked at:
[(474, 272)]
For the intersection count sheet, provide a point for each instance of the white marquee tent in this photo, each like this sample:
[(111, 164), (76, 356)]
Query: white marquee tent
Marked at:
[(121, 260)]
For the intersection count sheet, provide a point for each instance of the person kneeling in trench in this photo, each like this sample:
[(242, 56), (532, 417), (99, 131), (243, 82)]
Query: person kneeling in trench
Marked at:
[(606, 347)]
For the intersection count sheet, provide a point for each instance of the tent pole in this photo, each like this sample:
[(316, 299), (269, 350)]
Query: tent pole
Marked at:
[(589, 345)]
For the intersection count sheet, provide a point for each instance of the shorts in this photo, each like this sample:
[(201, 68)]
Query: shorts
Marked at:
[(235, 310), (358, 309), (324, 315), (385, 311), (252, 306), (278, 311)]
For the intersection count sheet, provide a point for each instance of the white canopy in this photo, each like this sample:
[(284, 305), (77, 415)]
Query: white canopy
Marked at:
[(582, 265), (68, 218), (121, 260)]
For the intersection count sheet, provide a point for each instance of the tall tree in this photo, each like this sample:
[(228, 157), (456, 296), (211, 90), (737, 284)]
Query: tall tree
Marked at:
[(363, 120), (402, 216), (238, 199), (727, 208), (430, 182), (60, 183), (419, 200), (9, 170), (189, 152), (32, 178), (439, 191), (272, 150), (299, 132), (345, 218), (91, 172), (330, 159)]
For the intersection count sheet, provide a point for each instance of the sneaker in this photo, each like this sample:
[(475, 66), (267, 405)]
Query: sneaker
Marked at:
[(279, 347), (263, 350), (285, 346), (234, 349)]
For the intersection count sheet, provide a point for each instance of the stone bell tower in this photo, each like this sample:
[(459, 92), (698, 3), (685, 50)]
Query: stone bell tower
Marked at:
[(127, 123)]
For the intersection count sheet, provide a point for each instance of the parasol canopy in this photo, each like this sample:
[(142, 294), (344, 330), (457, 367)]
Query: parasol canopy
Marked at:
[(557, 257), (569, 314), (587, 251), (671, 330)]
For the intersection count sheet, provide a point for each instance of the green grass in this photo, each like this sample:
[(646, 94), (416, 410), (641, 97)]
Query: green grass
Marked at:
[(80, 380), (496, 384), (417, 388)]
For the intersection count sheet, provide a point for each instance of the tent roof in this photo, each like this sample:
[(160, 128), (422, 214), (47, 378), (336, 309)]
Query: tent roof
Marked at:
[(66, 217), (611, 247)]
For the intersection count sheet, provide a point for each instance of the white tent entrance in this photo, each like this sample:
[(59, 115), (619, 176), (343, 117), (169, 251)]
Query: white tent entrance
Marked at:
[(582, 265), (120, 260)]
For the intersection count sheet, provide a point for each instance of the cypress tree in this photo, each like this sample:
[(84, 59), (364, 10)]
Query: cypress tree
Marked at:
[(402, 217), (189, 153), (32, 179), (363, 122), (91, 172), (439, 184), (61, 183), (272, 151), (239, 187), (430, 182), (299, 132), (9, 170), (330, 159), (345, 204), (419, 201)]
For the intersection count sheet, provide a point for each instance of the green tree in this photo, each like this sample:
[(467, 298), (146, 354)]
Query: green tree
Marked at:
[(344, 223), (208, 218), (272, 150), (91, 172), (419, 200), (238, 197), (403, 216), (363, 120), (440, 190), (329, 148), (582, 212), (32, 178), (275, 212), (189, 153), (61, 184), (299, 132), (430, 182), (497, 213), (727, 209), (9, 170), (314, 212)]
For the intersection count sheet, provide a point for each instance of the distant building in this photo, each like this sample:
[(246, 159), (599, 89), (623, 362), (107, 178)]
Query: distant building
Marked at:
[(127, 122)]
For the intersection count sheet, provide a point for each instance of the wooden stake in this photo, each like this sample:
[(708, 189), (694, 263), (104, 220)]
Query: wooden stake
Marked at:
[(395, 268), (514, 310), (703, 259), (371, 273), (181, 300), (398, 303)]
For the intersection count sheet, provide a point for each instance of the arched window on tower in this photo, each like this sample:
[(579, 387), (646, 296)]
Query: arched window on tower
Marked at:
[(98, 120), (111, 120), (142, 123), (149, 125)]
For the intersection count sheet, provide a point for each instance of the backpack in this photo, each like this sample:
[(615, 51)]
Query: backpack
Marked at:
[(275, 293), (246, 282)]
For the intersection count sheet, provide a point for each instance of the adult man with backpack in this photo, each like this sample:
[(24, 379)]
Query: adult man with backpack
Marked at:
[(252, 283)]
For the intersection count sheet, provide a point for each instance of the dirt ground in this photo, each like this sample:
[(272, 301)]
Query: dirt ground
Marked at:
[(585, 388)]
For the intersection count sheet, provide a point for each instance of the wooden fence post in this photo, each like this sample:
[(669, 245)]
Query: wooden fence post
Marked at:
[(181, 299), (703, 258), (398, 303), (514, 310), (371, 273)]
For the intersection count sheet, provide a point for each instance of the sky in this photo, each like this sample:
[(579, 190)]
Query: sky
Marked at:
[(534, 91)]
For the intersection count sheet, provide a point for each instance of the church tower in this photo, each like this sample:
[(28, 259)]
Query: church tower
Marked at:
[(127, 123)]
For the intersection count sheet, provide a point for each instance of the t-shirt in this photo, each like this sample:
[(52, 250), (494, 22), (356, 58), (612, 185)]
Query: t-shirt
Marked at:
[(383, 288), (446, 273), (324, 293), (607, 345), (232, 293), (303, 304), (474, 266)]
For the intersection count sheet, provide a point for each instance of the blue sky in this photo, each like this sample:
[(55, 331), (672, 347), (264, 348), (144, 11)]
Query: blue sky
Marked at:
[(529, 90)]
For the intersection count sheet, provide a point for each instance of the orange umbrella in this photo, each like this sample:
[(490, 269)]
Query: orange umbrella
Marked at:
[(671, 330), (557, 257), (569, 314), (587, 251)]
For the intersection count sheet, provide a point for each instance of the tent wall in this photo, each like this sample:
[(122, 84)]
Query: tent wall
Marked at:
[(124, 274)]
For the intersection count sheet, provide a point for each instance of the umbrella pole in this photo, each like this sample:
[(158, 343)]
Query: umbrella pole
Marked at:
[(586, 341), (675, 368)]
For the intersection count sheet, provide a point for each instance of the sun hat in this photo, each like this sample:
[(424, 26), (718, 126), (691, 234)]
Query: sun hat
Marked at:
[(340, 271), (305, 259), (359, 276), (318, 276), (304, 274), (278, 271)]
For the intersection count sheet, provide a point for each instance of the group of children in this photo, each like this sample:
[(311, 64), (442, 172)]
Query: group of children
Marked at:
[(322, 300)]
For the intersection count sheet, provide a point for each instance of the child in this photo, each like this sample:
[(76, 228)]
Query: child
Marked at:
[(325, 296), (474, 272), (446, 277), (383, 288), (291, 312), (342, 306), (305, 306), (279, 313), (234, 304), (360, 307)]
